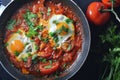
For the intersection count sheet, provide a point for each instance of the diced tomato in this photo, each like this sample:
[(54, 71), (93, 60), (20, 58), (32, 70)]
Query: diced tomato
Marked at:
[(67, 57), (53, 67)]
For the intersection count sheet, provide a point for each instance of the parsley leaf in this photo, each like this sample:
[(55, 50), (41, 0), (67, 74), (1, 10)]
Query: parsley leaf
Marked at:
[(11, 24), (34, 57), (63, 28), (28, 16), (47, 67), (55, 22), (16, 53), (31, 32), (49, 11), (69, 20), (25, 59)]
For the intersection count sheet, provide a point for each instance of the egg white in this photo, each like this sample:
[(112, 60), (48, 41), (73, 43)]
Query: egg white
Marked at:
[(53, 27), (25, 40)]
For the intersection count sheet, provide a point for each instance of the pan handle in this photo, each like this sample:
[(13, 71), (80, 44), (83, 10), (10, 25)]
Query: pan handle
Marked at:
[(2, 6)]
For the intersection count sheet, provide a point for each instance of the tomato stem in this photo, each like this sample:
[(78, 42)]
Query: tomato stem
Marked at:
[(116, 15), (111, 10)]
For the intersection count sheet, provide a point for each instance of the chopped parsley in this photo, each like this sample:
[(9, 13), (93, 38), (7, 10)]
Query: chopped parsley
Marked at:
[(29, 54), (56, 39), (55, 22), (63, 28), (69, 20), (36, 47), (26, 44), (55, 47), (11, 24), (40, 27), (48, 11), (28, 16), (47, 67), (16, 53), (6, 44), (69, 47), (25, 59), (38, 70), (31, 33), (46, 40), (54, 35), (34, 57), (64, 65), (50, 61), (19, 32), (41, 13), (40, 37), (42, 59)]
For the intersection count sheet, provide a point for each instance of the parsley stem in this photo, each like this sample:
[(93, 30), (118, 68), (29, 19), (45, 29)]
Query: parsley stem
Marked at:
[(104, 73)]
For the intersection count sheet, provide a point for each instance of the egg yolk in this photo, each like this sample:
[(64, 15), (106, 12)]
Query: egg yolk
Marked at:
[(62, 27), (17, 46)]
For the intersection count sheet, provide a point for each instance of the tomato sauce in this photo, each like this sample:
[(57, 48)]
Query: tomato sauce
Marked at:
[(48, 60)]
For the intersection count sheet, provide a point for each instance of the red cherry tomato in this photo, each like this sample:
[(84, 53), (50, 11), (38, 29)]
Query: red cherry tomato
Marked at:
[(47, 68), (109, 4), (94, 14)]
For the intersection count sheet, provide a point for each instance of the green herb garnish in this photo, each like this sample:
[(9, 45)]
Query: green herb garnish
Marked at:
[(48, 11), (38, 70), (28, 16), (55, 47), (34, 57), (54, 35), (16, 53), (47, 67), (69, 21), (69, 47), (29, 54), (42, 59), (55, 22), (50, 61), (56, 39), (26, 44), (25, 59), (11, 24), (40, 37), (64, 65), (46, 40), (63, 28), (6, 44), (36, 47), (19, 32), (42, 13), (40, 27), (31, 33)]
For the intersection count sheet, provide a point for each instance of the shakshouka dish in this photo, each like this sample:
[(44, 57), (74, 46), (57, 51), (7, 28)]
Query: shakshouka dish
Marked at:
[(43, 38)]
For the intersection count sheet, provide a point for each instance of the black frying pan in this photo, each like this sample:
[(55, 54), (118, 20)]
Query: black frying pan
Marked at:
[(15, 73)]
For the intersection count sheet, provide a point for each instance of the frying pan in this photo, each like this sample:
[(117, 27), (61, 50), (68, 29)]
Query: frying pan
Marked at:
[(15, 73)]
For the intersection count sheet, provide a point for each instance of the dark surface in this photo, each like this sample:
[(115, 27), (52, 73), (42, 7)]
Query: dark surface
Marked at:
[(91, 70)]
